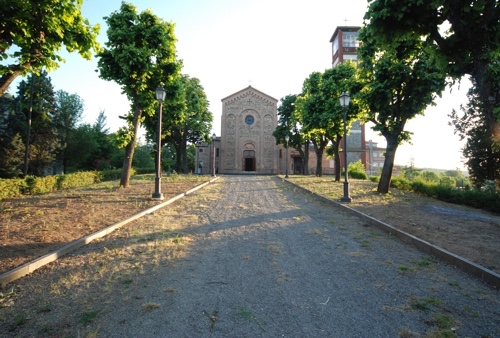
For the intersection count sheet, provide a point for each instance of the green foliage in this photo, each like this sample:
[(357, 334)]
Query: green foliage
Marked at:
[(134, 41), (12, 150), (468, 47), (142, 171), (483, 158), (112, 175), (357, 170), (143, 157), (401, 80), (319, 112), (78, 179), (44, 143), (41, 185), (430, 176), (445, 190), (447, 181), (33, 32), (401, 183), (12, 187)]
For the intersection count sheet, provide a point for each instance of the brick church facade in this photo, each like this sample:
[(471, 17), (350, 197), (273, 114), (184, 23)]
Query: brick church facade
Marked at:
[(246, 143)]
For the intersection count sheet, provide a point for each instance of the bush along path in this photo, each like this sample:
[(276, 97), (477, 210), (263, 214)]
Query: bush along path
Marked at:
[(249, 256)]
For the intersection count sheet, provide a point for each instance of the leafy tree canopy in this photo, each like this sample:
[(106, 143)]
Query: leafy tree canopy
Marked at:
[(400, 82), (32, 32)]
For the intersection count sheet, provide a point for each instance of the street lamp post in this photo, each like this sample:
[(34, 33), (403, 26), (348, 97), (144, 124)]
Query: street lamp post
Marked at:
[(213, 153), (157, 195), (344, 102), (287, 138)]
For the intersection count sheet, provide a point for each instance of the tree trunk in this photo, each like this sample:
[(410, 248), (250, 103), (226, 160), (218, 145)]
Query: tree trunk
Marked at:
[(390, 155), (129, 149), (184, 150), (178, 158), (336, 158), (306, 158)]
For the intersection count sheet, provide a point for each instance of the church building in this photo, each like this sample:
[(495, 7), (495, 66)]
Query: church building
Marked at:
[(249, 118), (246, 144)]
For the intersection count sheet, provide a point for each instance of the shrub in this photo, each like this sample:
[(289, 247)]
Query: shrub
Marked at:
[(357, 170), (429, 176), (11, 187), (113, 175), (375, 179), (142, 171), (447, 181), (358, 175), (424, 187), (41, 185), (78, 179), (401, 183)]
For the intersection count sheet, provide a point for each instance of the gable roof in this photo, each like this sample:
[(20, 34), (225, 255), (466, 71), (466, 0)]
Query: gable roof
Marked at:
[(248, 91)]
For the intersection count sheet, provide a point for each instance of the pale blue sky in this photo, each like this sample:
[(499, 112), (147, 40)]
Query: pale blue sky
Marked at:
[(271, 44)]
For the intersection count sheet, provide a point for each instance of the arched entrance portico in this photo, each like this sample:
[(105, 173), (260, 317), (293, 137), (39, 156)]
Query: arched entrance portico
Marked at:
[(249, 160)]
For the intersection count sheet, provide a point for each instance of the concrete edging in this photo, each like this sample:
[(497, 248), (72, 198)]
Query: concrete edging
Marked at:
[(29, 267), (463, 264)]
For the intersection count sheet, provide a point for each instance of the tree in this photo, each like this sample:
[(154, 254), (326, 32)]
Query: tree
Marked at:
[(32, 33), (140, 55), (11, 143), (34, 122), (483, 159), (462, 36), (400, 82), (91, 147), (320, 111), (188, 120), (69, 111), (289, 123), (198, 118), (313, 116), (342, 78)]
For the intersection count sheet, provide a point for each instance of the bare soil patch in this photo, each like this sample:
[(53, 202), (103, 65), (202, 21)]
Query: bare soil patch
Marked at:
[(470, 233), (32, 226)]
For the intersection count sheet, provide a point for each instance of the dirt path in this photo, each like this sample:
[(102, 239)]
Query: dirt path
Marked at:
[(249, 256)]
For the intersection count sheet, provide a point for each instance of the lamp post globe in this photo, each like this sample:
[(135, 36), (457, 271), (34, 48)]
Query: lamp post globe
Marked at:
[(344, 102), (157, 195), (287, 138)]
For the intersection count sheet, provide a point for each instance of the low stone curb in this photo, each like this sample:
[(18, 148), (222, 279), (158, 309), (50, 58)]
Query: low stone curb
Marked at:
[(464, 264), (29, 267)]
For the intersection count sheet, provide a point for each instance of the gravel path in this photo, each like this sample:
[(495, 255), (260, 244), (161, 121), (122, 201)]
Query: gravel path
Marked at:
[(268, 260), (272, 261)]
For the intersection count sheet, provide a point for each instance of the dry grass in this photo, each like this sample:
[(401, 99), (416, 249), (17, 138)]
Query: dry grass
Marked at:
[(31, 226), (446, 225)]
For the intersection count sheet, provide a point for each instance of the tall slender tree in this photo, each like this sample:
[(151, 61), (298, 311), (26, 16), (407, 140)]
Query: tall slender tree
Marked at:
[(140, 55), (33, 121), (67, 116), (481, 154)]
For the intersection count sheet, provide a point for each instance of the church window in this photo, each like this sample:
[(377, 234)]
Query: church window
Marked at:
[(249, 119)]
